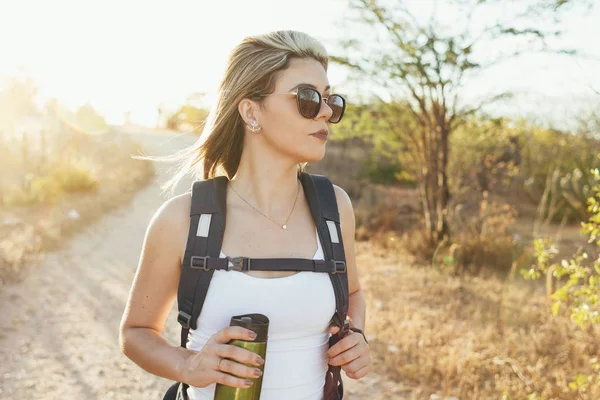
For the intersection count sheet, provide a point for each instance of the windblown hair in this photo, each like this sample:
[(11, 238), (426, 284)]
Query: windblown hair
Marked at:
[(252, 69)]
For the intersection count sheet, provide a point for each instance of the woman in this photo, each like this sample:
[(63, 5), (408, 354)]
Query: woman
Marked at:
[(259, 135)]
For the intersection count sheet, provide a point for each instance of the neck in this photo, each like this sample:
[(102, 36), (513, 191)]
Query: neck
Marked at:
[(267, 181)]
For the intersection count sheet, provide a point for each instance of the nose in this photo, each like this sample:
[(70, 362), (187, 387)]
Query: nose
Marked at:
[(325, 111)]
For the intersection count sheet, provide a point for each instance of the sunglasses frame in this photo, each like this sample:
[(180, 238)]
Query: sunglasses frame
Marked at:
[(321, 98), (320, 102)]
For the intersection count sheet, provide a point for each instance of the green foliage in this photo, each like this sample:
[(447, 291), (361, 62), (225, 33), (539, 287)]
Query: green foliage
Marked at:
[(382, 174), (479, 147), (386, 127), (580, 295), (187, 117), (482, 238), (582, 383), (69, 175), (74, 176), (514, 158), (88, 120), (545, 148), (575, 188), (40, 189)]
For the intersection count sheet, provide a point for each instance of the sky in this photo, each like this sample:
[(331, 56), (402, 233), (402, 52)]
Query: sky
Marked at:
[(132, 56)]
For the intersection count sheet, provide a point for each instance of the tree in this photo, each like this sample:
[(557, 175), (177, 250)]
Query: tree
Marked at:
[(17, 100), (191, 115), (423, 67), (89, 121)]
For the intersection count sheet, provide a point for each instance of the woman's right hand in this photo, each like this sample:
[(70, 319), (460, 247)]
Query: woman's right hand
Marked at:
[(200, 368)]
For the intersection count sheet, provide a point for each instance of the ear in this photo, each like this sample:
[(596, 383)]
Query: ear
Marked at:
[(248, 111)]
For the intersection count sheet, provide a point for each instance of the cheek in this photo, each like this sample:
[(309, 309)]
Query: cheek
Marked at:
[(288, 131), (285, 126), (283, 114)]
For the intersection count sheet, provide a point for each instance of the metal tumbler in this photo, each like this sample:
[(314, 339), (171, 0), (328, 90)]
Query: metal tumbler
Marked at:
[(258, 323)]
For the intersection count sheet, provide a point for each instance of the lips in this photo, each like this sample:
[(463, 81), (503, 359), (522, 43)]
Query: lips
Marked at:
[(322, 134)]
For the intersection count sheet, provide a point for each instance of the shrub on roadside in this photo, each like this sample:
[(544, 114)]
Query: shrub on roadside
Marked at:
[(480, 239), (579, 296), (71, 175)]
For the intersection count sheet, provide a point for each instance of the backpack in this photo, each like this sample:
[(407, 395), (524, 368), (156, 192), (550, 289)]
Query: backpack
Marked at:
[(201, 258)]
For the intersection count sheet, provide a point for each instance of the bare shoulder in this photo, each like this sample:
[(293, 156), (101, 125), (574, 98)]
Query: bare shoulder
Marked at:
[(348, 228), (175, 208), (345, 208), (170, 223), (154, 287)]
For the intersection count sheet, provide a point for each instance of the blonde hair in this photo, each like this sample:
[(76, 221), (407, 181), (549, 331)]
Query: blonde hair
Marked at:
[(252, 69)]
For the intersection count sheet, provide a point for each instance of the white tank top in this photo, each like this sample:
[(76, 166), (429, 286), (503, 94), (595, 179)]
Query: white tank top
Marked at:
[(299, 308)]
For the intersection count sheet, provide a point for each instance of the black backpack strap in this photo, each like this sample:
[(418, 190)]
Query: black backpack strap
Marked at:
[(320, 195), (207, 226)]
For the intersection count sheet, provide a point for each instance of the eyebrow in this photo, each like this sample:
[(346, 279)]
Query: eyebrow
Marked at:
[(311, 86)]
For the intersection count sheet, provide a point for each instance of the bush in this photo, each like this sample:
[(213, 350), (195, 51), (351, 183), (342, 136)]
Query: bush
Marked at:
[(580, 295), (70, 175), (480, 238), (75, 176)]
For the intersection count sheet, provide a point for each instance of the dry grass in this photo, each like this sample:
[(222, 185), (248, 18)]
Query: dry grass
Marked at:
[(471, 333), (471, 338), (88, 174)]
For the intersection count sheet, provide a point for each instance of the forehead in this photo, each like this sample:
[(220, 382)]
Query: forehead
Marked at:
[(305, 71)]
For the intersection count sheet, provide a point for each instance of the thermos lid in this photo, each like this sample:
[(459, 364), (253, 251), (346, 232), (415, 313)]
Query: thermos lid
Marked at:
[(258, 323)]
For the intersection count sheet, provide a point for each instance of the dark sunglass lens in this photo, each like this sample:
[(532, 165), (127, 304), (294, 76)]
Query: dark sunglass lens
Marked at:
[(337, 104), (308, 102)]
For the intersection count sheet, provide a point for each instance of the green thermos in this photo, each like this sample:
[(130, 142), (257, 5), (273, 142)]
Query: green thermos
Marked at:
[(258, 323)]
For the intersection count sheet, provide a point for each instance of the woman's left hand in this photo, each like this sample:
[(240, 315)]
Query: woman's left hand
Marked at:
[(352, 353)]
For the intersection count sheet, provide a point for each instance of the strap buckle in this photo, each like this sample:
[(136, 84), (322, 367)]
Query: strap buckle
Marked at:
[(238, 263), (204, 264), (330, 266), (184, 319), (341, 270), (324, 266)]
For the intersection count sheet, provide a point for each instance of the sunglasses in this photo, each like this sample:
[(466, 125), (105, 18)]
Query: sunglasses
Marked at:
[(309, 103)]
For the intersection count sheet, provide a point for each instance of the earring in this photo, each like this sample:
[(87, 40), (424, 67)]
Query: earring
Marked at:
[(255, 127)]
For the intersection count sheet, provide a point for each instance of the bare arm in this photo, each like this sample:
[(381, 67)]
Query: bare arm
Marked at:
[(357, 305), (352, 352), (153, 293)]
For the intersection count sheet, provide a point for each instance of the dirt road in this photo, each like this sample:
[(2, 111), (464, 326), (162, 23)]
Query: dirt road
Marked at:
[(59, 327)]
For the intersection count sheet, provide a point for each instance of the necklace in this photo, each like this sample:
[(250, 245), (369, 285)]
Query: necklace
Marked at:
[(284, 226)]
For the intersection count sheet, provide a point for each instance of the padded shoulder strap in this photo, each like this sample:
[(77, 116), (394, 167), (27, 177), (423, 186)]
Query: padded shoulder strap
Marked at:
[(207, 226), (207, 215), (320, 195)]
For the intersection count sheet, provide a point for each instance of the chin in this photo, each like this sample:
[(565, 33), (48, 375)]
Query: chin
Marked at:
[(312, 157), (301, 152)]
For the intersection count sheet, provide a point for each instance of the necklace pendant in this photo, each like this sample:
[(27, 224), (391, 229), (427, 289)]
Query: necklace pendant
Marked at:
[(284, 226)]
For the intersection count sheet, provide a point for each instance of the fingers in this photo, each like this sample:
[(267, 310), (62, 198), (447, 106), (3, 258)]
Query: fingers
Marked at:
[(234, 359), (239, 370), (238, 354), (347, 356), (229, 380), (233, 332), (345, 344), (361, 373), (231, 371)]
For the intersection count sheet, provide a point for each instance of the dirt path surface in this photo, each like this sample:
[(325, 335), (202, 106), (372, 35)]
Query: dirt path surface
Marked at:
[(59, 327)]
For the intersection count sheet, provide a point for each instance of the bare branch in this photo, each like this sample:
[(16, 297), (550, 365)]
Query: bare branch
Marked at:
[(516, 54), (489, 100)]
